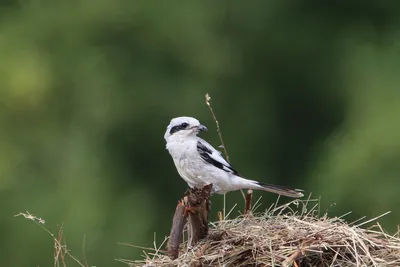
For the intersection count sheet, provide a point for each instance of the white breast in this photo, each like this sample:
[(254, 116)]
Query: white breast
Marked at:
[(183, 154)]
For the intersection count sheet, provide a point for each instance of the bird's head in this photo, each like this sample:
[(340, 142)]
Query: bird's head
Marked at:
[(183, 127)]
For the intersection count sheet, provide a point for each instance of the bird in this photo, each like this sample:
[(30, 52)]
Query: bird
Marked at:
[(200, 164)]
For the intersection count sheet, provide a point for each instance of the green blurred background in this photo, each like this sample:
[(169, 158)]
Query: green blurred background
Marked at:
[(307, 94)]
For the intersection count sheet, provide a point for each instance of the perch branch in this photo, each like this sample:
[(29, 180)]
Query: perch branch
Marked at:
[(193, 212), (178, 223), (198, 206)]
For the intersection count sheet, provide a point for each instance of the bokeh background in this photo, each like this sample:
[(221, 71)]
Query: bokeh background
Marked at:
[(307, 94)]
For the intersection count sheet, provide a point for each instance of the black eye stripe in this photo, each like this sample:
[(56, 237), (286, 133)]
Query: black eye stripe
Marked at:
[(179, 127)]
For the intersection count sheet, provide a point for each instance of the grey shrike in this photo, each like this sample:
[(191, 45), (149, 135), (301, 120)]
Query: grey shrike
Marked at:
[(200, 164)]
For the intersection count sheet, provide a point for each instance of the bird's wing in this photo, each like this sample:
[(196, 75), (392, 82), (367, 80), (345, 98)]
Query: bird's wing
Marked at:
[(214, 157)]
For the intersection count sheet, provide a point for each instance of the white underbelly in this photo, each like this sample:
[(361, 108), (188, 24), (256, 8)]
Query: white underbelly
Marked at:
[(196, 175), (192, 175)]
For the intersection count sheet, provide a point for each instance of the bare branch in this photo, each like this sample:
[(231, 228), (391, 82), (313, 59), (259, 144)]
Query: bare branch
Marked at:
[(178, 223)]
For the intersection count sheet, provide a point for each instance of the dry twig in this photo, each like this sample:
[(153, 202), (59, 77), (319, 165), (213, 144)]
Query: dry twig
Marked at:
[(60, 250), (208, 98)]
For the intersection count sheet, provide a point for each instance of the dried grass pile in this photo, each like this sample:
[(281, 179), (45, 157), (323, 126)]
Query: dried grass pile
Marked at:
[(288, 235)]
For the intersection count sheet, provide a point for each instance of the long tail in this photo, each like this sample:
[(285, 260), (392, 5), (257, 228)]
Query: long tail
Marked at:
[(241, 183), (281, 190)]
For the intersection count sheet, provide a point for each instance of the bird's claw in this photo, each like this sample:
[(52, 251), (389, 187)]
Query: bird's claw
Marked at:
[(192, 210)]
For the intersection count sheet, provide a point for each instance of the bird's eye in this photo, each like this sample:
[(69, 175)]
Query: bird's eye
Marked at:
[(184, 125)]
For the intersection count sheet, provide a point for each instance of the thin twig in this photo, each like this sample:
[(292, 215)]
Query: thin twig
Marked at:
[(208, 98), (373, 219), (58, 253), (84, 251), (40, 222), (141, 247), (229, 213)]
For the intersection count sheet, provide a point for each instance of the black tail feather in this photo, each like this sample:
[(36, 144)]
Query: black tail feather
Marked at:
[(282, 190)]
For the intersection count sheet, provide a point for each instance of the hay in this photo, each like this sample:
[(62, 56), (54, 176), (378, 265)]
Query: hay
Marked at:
[(288, 235)]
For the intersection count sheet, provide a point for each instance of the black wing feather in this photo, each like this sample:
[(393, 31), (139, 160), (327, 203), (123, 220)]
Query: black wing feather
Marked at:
[(205, 154)]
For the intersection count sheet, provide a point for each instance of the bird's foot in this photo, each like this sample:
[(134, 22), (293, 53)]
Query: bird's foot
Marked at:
[(192, 210)]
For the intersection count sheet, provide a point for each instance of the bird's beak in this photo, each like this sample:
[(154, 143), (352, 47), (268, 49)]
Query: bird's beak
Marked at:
[(203, 128)]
